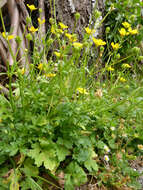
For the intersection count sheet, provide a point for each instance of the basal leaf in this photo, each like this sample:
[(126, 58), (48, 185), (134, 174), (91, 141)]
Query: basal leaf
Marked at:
[(91, 165), (49, 162), (62, 152)]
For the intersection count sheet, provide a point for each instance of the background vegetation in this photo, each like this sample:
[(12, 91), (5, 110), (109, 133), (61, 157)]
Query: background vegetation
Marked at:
[(74, 116)]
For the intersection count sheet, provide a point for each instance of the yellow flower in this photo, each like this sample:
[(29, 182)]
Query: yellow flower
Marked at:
[(50, 75), (71, 37), (60, 31), (4, 34), (31, 7), (115, 46), (82, 91), (133, 32), (126, 24), (32, 29), (10, 37), (89, 31), (57, 54), (0, 120), (110, 68), (125, 65), (23, 71), (41, 21), (122, 32), (53, 30), (40, 66), (140, 146), (77, 45), (122, 79), (98, 42), (62, 25)]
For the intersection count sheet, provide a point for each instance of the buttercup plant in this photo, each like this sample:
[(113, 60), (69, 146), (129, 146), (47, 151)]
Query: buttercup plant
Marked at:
[(69, 116)]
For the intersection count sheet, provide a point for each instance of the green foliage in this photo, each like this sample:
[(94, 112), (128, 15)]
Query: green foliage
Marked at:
[(69, 116)]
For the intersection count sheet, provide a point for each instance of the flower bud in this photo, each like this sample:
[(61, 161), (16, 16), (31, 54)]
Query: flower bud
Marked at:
[(118, 56), (140, 58), (132, 18), (28, 20), (18, 39), (101, 48), (97, 14), (136, 50), (77, 16), (29, 37), (107, 29), (51, 21), (40, 10), (112, 7)]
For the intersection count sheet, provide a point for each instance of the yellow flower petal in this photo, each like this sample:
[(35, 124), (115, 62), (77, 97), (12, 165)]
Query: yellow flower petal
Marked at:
[(10, 37), (57, 54), (71, 37), (77, 45), (82, 91), (62, 25), (98, 42), (41, 21), (125, 65), (31, 7), (133, 32), (122, 32), (4, 34), (23, 71), (110, 68), (32, 29), (89, 31), (50, 75), (126, 24), (122, 79), (40, 66), (115, 46)]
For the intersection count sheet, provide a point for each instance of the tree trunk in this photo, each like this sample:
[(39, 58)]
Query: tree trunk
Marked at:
[(65, 12)]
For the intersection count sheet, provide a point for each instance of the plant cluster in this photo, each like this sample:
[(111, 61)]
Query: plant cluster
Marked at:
[(62, 122)]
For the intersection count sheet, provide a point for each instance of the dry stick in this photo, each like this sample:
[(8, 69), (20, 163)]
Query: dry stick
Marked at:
[(14, 15), (3, 54)]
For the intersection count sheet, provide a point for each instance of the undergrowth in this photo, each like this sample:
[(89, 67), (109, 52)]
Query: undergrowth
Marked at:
[(69, 120)]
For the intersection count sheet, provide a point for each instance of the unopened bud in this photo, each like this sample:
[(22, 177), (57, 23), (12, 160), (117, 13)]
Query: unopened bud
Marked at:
[(51, 21), (107, 30), (118, 56), (29, 37), (28, 20), (77, 16), (101, 49), (136, 50), (140, 58)]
